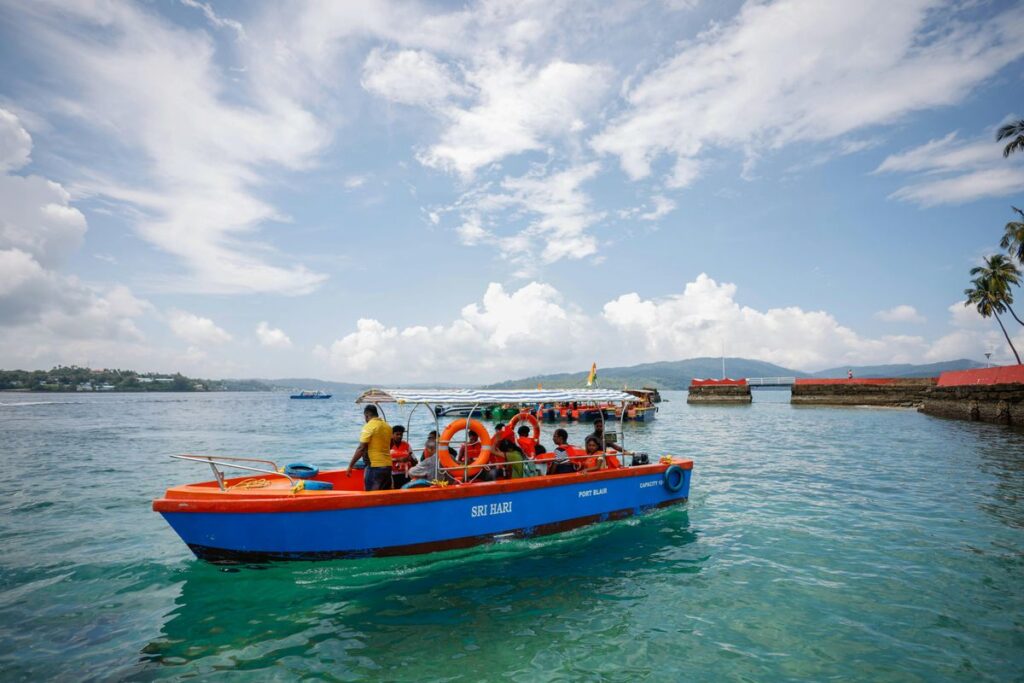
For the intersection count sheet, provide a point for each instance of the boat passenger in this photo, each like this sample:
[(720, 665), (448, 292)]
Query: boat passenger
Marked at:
[(512, 454), (562, 454), (502, 432), (543, 459), (401, 458), (427, 466), (598, 434), (526, 444), (470, 451), (375, 449)]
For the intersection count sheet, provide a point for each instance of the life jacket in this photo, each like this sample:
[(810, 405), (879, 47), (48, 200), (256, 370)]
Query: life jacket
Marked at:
[(471, 451), (401, 458), (527, 445)]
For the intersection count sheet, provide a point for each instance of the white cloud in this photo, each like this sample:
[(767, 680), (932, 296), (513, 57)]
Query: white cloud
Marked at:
[(38, 229), (413, 77), (354, 182), (950, 171), (903, 313), (662, 207), (214, 18), (533, 330), (15, 142), (272, 336), (556, 211), (196, 330), (469, 231), (803, 70), (973, 336), (517, 109), (198, 151)]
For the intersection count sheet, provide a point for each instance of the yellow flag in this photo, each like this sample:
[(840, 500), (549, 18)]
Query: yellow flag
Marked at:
[(592, 376)]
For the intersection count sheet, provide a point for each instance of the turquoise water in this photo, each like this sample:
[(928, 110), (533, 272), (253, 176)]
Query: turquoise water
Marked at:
[(817, 543)]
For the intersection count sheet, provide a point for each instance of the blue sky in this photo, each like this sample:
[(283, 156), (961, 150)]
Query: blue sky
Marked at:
[(404, 191)]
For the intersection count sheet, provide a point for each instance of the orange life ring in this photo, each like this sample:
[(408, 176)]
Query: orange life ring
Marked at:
[(529, 417), (458, 470)]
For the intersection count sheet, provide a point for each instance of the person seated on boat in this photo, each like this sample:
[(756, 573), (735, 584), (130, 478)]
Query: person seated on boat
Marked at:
[(426, 468), (502, 432), (563, 452), (431, 444), (401, 457), (526, 443), (470, 451), (599, 459), (375, 449), (598, 434), (513, 456), (543, 459)]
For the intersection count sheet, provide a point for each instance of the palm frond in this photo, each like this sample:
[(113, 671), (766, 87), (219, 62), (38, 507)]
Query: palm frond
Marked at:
[(1010, 129)]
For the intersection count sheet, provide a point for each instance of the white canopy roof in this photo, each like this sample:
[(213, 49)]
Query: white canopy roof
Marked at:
[(473, 397)]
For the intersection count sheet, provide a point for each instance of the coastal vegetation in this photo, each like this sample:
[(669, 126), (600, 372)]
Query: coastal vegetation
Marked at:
[(993, 282), (75, 378)]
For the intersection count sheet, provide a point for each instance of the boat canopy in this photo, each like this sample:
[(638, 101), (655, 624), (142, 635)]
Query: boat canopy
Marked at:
[(477, 397)]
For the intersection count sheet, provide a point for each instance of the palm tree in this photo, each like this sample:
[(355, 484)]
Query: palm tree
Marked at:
[(999, 273), (1013, 240), (988, 303), (1008, 131)]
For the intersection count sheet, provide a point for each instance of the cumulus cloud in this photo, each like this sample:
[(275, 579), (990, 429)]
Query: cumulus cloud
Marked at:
[(903, 313), (952, 171), (195, 329), (534, 330), (38, 230), (272, 337), (803, 70)]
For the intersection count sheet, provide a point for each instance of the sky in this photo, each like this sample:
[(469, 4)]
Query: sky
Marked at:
[(467, 192)]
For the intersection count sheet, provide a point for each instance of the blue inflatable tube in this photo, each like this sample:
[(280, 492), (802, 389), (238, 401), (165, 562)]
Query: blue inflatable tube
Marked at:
[(301, 470), (674, 478), (417, 484), (312, 485)]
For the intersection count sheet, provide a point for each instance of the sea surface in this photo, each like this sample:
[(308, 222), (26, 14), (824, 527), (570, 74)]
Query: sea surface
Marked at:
[(857, 544)]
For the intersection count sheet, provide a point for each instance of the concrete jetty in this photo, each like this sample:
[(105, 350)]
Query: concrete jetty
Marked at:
[(891, 392), (719, 391), (986, 395)]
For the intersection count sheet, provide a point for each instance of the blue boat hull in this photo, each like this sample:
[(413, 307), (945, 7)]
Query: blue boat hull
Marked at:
[(421, 527)]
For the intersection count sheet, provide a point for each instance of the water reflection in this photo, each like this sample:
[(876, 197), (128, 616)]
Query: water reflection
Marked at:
[(385, 613)]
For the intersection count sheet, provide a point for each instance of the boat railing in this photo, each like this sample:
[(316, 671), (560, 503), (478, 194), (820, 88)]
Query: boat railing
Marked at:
[(232, 461), (535, 465)]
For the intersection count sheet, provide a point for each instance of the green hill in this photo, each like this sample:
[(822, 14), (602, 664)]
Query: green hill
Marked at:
[(677, 374), (902, 369)]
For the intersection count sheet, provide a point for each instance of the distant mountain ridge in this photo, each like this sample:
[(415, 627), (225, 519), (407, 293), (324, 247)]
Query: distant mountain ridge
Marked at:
[(677, 374), (902, 369)]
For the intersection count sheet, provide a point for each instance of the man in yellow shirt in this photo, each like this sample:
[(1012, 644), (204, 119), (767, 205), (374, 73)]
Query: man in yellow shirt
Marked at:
[(375, 448)]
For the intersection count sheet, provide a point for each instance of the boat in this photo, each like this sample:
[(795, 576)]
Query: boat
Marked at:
[(300, 512), (312, 394)]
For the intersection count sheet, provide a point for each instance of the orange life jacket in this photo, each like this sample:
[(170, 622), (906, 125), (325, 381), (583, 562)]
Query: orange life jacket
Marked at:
[(527, 445), (401, 458)]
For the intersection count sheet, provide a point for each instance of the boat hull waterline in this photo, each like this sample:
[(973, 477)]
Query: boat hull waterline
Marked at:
[(261, 526)]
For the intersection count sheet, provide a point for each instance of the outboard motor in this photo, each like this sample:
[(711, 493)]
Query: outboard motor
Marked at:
[(641, 459)]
